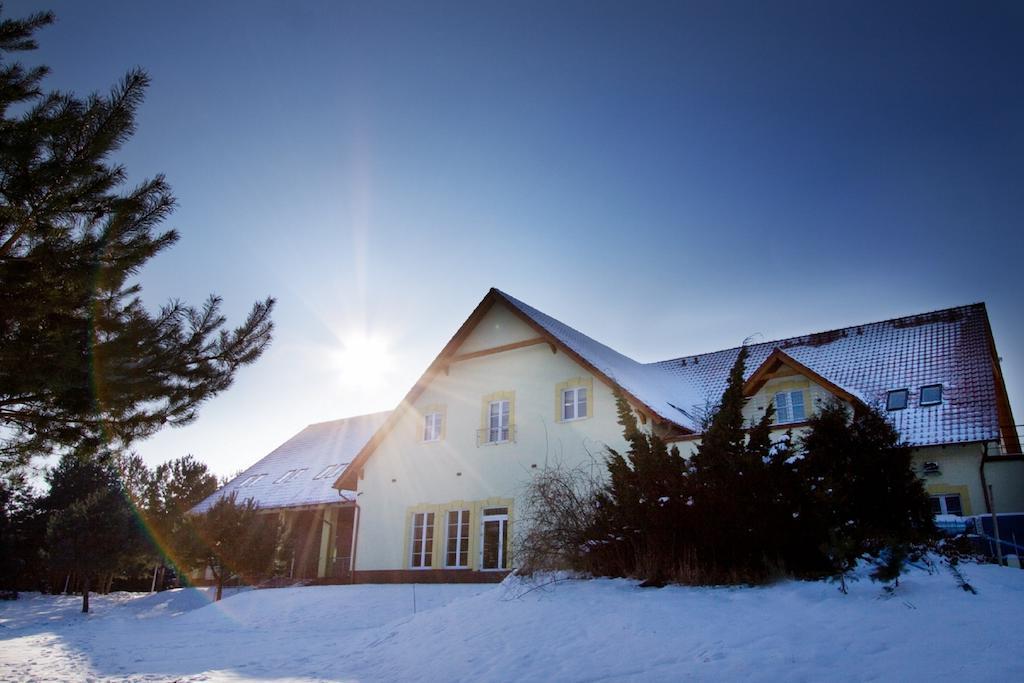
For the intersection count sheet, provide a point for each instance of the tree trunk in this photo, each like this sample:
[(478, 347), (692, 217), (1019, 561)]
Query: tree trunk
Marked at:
[(220, 587), (85, 595)]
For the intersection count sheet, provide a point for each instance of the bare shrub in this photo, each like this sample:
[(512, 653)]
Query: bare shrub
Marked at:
[(558, 509)]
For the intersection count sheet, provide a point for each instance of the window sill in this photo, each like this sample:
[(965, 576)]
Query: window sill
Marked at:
[(575, 419)]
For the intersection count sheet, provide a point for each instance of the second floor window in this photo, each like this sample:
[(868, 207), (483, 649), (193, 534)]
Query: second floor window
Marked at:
[(574, 403), (432, 427), (789, 407), (498, 421)]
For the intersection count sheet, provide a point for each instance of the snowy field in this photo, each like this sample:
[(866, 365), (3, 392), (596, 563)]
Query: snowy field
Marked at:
[(601, 630)]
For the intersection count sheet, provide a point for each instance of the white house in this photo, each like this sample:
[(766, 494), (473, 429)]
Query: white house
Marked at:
[(516, 390)]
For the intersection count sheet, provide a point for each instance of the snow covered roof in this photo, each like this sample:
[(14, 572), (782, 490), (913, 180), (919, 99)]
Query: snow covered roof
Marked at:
[(950, 347), (668, 396), (301, 471)]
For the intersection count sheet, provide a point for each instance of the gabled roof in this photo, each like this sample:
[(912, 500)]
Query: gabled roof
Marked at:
[(312, 450), (778, 358), (861, 363), (951, 347), (641, 384), (663, 395)]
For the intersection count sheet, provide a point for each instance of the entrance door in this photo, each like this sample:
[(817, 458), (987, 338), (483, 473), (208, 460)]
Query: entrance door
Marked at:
[(494, 539)]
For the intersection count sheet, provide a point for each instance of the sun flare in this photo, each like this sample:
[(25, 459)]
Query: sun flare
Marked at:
[(364, 360)]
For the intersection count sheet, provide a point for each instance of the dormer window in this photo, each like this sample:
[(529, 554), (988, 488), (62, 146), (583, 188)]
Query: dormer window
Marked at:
[(897, 400), (931, 395), (789, 407)]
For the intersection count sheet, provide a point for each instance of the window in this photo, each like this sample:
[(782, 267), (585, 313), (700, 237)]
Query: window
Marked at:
[(498, 421), (494, 539), (897, 400), (329, 471), (931, 395), (252, 480), (947, 505), (574, 403), (789, 407), (422, 546), (432, 427), (457, 550), (289, 475)]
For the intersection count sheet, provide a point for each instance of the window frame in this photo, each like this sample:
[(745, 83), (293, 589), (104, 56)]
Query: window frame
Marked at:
[(503, 536), (788, 407), (575, 403), (895, 392), (920, 398), (290, 475), (426, 541), (328, 471), (433, 424), (503, 427), (944, 507), (252, 480), (463, 522)]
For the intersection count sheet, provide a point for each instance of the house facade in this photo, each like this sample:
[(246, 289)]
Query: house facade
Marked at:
[(438, 486), (295, 482)]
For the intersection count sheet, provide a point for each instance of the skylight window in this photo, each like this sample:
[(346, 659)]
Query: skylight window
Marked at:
[(288, 476), (252, 480), (897, 399), (931, 395), (329, 471)]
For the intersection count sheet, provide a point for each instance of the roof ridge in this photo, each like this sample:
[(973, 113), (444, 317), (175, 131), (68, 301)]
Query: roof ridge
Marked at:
[(351, 417), (899, 318)]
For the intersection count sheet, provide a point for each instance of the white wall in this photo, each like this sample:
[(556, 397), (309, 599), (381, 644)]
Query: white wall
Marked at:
[(404, 472)]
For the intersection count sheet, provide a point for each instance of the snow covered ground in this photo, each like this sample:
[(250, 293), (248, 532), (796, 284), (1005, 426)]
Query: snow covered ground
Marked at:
[(602, 630)]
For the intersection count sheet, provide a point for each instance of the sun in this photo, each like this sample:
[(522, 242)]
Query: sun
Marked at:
[(364, 360)]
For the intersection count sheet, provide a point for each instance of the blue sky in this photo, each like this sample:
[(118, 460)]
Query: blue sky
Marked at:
[(669, 178)]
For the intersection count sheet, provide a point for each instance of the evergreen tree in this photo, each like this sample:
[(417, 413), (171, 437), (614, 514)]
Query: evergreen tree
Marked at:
[(862, 491), (82, 363), (737, 502), (640, 525), (173, 489), (92, 529), (233, 538), (19, 539)]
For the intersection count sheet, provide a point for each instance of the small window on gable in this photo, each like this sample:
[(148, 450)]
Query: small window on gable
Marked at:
[(432, 427), (574, 403), (789, 407), (897, 400), (931, 395)]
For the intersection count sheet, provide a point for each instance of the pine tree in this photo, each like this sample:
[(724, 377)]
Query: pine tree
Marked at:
[(92, 529), (172, 490), (83, 365), (234, 538)]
